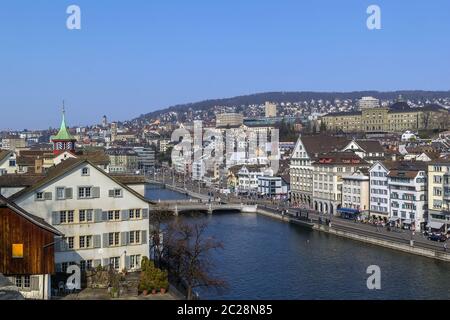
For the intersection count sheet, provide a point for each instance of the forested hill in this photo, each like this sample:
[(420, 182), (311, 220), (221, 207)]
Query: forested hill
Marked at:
[(279, 97)]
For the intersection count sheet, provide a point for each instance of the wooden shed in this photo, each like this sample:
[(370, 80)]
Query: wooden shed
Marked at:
[(26, 242)]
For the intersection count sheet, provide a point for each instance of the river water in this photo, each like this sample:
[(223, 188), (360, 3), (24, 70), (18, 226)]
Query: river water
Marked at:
[(269, 259)]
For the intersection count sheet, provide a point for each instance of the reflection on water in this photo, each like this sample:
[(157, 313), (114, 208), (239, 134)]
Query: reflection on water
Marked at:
[(156, 193), (269, 259)]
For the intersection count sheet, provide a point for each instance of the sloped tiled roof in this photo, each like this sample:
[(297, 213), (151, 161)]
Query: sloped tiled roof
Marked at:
[(4, 154), (342, 158), (129, 179), (372, 146), (64, 167), (20, 180), (319, 144), (344, 113), (96, 157), (30, 217)]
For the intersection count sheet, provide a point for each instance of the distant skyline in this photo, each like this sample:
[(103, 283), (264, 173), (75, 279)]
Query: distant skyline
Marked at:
[(133, 57)]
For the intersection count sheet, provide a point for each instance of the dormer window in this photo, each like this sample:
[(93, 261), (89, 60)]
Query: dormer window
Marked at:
[(85, 172)]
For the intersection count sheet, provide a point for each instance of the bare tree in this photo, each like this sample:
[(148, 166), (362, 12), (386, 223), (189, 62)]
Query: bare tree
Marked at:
[(189, 254), (158, 218), (426, 119), (444, 121)]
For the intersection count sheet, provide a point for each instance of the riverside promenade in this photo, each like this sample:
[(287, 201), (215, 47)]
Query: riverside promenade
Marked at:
[(396, 239)]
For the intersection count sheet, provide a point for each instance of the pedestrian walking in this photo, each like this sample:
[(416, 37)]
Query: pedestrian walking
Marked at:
[(445, 246)]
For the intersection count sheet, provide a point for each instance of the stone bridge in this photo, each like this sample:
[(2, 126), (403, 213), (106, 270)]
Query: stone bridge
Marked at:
[(179, 207)]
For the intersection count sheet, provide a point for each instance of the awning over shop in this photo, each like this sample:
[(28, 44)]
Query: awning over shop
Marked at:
[(435, 225), (407, 221), (393, 219)]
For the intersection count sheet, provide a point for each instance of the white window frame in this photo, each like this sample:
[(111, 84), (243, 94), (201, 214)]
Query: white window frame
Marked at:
[(112, 239), (85, 172), (115, 214), (22, 281), (63, 196), (135, 261), (83, 191), (70, 216), (62, 214), (69, 241), (135, 237), (118, 193), (114, 262)]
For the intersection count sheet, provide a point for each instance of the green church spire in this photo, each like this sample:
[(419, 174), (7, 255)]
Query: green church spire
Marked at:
[(63, 133)]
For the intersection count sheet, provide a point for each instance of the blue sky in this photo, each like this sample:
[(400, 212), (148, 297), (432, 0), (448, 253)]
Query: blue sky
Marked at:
[(136, 56)]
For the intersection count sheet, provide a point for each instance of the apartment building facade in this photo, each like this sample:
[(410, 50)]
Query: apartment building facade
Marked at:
[(439, 195), (408, 195), (272, 187), (399, 117), (379, 200), (122, 160), (306, 151), (355, 192), (328, 172), (8, 162), (224, 120), (104, 222), (248, 177)]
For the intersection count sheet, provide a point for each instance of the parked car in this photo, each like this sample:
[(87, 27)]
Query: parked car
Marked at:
[(439, 237)]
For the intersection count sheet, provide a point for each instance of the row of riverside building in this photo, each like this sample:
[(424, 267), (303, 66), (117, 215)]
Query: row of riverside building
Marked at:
[(339, 176), (72, 213)]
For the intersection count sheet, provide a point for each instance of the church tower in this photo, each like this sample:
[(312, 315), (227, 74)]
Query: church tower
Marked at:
[(63, 141)]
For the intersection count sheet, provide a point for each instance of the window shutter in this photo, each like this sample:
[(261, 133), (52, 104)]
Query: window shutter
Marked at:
[(127, 262), (105, 240), (34, 283), (61, 245), (105, 215), (56, 218), (97, 241), (145, 213), (124, 238), (98, 215), (96, 192), (48, 196), (144, 237), (111, 193), (125, 215), (69, 193)]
